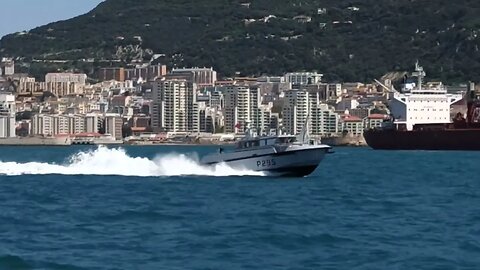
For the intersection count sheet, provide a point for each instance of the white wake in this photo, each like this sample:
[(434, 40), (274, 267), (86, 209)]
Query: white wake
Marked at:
[(105, 161)]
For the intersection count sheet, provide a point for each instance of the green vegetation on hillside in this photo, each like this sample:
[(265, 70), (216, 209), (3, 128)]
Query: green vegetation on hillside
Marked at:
[(353, 40)]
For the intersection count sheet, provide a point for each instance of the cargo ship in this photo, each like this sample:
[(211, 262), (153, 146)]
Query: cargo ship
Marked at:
[(421, 119)]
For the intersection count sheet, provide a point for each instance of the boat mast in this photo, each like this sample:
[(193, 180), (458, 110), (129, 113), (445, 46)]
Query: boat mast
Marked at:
[(420, 74), (303, 137)]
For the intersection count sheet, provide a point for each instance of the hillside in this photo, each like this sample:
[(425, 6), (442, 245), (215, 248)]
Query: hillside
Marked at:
[(349, 40)]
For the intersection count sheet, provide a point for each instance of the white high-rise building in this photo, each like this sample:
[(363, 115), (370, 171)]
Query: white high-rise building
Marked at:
[(175, 98), (56, 124), (7, 116), (299, 104), (243, 105), (324, 120), (62, 124), (77, 123), (295, 111), (262, 119), (237, 108), (43, 124), (174, 106)]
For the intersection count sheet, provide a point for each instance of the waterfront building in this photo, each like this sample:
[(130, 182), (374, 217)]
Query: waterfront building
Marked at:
[(243, 106), (208, 120), (61, 124), (77, 123), (42, 124), (113, 125), (298, 104), (7, 116), (353, 125), (262, 118), (324, 121), (375, 120), (174, 105), (295, 111), (237, 108), (57, 124)]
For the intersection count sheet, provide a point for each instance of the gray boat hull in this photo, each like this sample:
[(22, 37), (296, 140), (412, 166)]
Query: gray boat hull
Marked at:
[(293, 162)]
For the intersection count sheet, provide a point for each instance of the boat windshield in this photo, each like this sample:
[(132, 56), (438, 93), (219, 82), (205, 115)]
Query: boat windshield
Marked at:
[(248, 144), (286, 140)]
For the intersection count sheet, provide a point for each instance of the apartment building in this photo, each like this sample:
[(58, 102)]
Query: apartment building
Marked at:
[(202, 77), (375, 120), (7, 67), (146, 72), (111, 73), (43, 124), (114, 126), (78, 78), (27, 86), (174, 106), (7, 116), (93, 123), (243, 106), (299, 104), (302, 78), (56, 124), (237, 108), (295, 110), (353, 125), (322, 92), (324, 121)]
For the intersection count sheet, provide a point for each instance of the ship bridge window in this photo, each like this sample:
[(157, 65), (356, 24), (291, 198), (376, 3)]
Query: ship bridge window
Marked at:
[(285, 140)]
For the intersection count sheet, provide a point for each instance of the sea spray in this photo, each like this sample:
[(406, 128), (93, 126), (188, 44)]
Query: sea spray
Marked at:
[(106, 161)]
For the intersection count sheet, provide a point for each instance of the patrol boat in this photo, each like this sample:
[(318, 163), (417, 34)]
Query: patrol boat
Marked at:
[(280, 155)]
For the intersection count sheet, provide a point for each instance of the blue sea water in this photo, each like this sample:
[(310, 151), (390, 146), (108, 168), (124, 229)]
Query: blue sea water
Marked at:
[(89, 208)]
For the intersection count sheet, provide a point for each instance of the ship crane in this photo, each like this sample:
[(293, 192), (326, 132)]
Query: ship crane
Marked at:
[(387, 90)]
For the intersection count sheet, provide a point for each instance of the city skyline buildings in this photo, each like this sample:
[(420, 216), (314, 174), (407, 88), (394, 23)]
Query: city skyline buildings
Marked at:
[(186, 101)]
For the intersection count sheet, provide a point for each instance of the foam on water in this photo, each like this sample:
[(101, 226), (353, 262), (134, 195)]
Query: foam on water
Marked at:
[(105, 161)]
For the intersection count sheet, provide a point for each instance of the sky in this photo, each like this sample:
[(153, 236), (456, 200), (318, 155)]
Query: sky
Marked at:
[(22, 15)]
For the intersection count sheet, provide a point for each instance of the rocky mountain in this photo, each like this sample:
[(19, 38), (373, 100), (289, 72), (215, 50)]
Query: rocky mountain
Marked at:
[(348, 40)]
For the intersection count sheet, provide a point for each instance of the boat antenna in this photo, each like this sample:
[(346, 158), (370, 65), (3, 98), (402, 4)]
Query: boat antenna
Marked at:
[(420, 74), (303, 137)]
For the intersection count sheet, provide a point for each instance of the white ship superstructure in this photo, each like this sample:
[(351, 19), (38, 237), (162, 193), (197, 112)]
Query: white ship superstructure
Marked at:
[(419, 105)]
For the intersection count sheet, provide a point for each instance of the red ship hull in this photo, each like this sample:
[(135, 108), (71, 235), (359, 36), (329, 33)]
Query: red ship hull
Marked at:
[(447, 139)]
